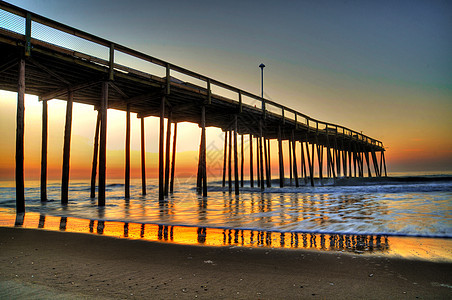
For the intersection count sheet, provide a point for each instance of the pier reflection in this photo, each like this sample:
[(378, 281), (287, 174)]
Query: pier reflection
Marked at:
[(42, 220), (162, 234), (63, 223), (126, 230), (19, 221), (203, 235)]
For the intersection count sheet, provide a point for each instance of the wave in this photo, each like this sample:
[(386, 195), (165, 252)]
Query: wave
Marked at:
[(111, 185), (411, 206), (424, 187), (351, 181)]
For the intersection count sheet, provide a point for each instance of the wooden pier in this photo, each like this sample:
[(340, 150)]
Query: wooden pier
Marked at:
[(38, 67)]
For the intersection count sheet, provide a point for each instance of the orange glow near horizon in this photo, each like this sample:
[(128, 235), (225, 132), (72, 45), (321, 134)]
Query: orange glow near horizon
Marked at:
[(84, 118), (430, 151)]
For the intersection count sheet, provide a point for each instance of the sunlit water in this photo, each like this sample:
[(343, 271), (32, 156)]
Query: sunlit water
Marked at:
[(420, 207)]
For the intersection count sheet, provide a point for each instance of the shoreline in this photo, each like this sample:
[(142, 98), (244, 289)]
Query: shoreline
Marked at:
[(408, 247), (87, 266)]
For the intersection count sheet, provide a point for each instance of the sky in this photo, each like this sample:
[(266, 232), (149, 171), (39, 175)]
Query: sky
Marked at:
[(380, 67)]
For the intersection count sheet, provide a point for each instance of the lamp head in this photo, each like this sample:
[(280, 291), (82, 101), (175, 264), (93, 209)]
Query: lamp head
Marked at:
[(261, 66)]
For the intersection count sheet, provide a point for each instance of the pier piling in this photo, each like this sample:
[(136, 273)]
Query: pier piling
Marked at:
[(95, 156), (204, 158), (381, 161), (311, 175), (173, 162), (67, 149), (344, 160), (269, 180), (236, 175), (258, 172), (312, 161), (290, 162), (337, 155), (361, 160), (199, 172), (303, 163), (161, 138), (294, 166), (366, 155), (127, 158), (384, 162), (143, 158), (320, 161), (242, 158), (261, 160), (281, 158), (230, 162), (20, 126), (225, 154), (44, 140), (251, 160), (103, 145), (167, 153), (349, 160), (266, 163)]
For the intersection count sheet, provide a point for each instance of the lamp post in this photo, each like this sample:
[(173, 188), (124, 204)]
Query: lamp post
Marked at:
[(262, 66)]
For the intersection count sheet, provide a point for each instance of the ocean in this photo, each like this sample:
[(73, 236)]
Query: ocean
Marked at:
[(369, 208)]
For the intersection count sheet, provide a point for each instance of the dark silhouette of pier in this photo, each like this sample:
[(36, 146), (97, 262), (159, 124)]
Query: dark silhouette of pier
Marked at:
[(34, 65)]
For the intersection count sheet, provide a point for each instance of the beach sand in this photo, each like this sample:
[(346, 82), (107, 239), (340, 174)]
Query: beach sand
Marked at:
[(36, 264)]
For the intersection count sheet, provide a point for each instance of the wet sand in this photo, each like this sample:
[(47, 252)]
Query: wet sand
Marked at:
[(45, 264)]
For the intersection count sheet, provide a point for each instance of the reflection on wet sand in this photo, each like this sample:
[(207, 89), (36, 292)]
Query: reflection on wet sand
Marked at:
[(42, 220), (91, 226), (206, 236), (162, 234), (63, 223), (409, 247)]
